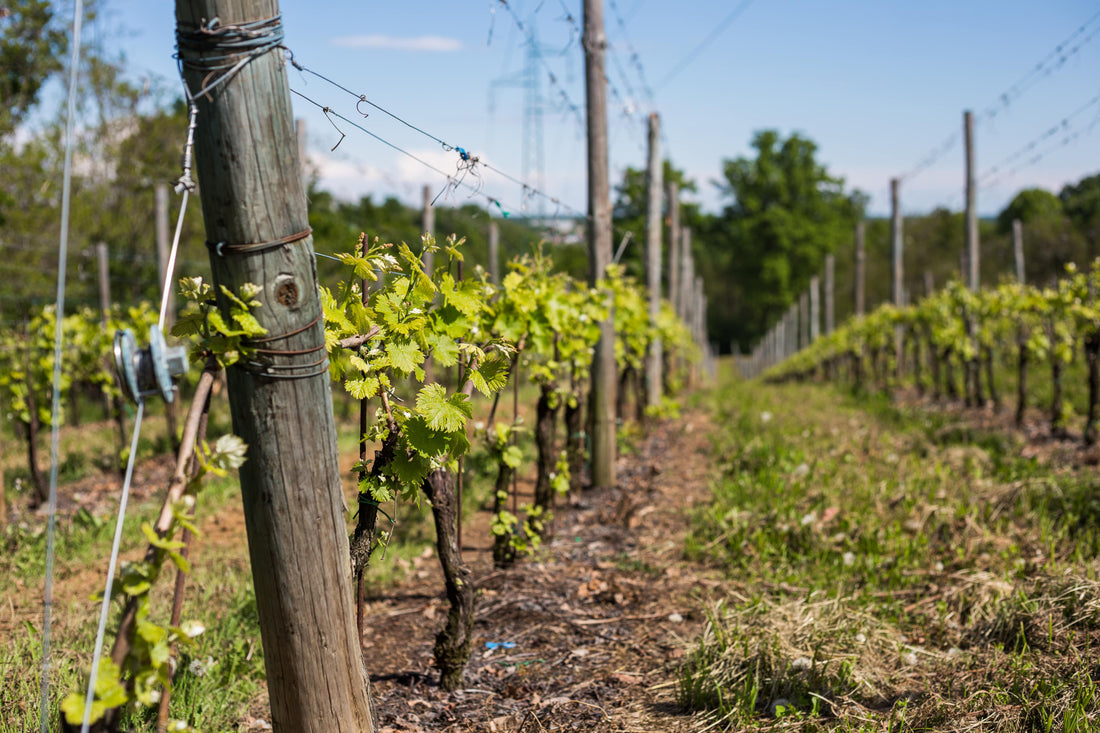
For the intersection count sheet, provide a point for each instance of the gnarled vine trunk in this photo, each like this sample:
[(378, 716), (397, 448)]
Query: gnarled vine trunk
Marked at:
[(452, 643), (1092, 355), (1021, 379), (546, 421)]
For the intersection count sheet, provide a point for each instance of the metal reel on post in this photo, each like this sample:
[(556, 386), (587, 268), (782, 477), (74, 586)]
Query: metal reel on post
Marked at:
[(146, 372)]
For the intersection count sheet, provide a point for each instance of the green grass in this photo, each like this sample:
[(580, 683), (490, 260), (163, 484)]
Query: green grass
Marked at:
[(902, 564)]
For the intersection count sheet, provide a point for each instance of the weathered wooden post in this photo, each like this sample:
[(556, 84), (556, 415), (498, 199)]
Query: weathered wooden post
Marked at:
[(1018, 249), (815, 308), (653, 377), (254, 208), (830, 293), (861, 271), (973, 259), (687, 273), (602, 390), (674, 244), (494, 252), (898, 279)]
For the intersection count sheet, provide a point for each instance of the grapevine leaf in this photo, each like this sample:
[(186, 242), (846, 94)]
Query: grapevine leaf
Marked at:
[(442, 412)]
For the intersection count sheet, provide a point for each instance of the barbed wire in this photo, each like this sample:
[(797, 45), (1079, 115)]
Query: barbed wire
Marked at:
[(1050, 63), (997, 173)]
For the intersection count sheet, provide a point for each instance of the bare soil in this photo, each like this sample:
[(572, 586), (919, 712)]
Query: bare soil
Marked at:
[(585, 636)]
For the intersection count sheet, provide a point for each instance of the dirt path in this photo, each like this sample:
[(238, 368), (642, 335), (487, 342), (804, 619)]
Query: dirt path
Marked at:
[(587, 634)]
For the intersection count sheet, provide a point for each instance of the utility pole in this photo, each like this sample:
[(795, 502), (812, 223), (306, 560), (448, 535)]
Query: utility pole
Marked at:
[(653, 376), (254, 203), (494, 252), (674, 244), (830, 293), (861, 270), (972, 261), (604, 382), (1018, 249)]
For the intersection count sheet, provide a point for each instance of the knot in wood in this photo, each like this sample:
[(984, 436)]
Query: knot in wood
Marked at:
[(287, 294)]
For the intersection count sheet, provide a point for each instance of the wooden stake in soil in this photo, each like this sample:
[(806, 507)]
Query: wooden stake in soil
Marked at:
[(830, 293), (861, 271), (1018, 249), (254, 208), (602, 391), (653, 378), (494, 253), (973, 255)]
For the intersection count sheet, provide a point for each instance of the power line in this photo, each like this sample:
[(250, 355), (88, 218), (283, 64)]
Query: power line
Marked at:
[(711, 37)]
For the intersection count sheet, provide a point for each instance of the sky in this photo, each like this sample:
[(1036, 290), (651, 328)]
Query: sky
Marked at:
[(878, 86)]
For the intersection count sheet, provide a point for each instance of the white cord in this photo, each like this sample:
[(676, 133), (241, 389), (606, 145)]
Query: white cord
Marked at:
[(55, 411), (167, 285), (90, 697)]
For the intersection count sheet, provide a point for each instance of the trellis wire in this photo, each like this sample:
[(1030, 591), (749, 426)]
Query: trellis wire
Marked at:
[(55, 408), (106, 607)]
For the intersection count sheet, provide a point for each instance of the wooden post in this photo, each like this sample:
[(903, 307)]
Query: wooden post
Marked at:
[(602, 389), (686, 274), (1018, 249), (163, 244), (830, 293), (653, 376), (815, 308), (861, 271), (252, 193), (428, 227), (898, 271), (494, 252), (303, 159), (929, 283), (973, 258), (896, 243), (674, 244), (804, 320), (171, 409), (103, 266)]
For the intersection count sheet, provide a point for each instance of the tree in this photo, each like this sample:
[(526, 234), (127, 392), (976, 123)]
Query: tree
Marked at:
[(1029, 205), (786, 213), (1081, 203), (32, 43), (629, 212)]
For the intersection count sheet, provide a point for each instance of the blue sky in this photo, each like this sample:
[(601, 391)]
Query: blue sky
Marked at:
[(877, 85)]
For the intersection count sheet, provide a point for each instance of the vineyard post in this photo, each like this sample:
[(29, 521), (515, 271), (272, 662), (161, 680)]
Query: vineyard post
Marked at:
[(160, 212), (494, 252), (972, 259), (428, 228), (653, 378), (686, 273), (897, 270), (103, 267), (163, 243), (815, 308), (1018, 249), (929, 283), (112, 404), (602, 388), (830, 293), (673, 243), (804, 319), (254, 204), (861, 270), (973, 263), (300, 138)]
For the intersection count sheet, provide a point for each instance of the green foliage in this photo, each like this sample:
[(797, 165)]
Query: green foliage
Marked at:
[(214, 335), (147, 666), (786, 212)]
